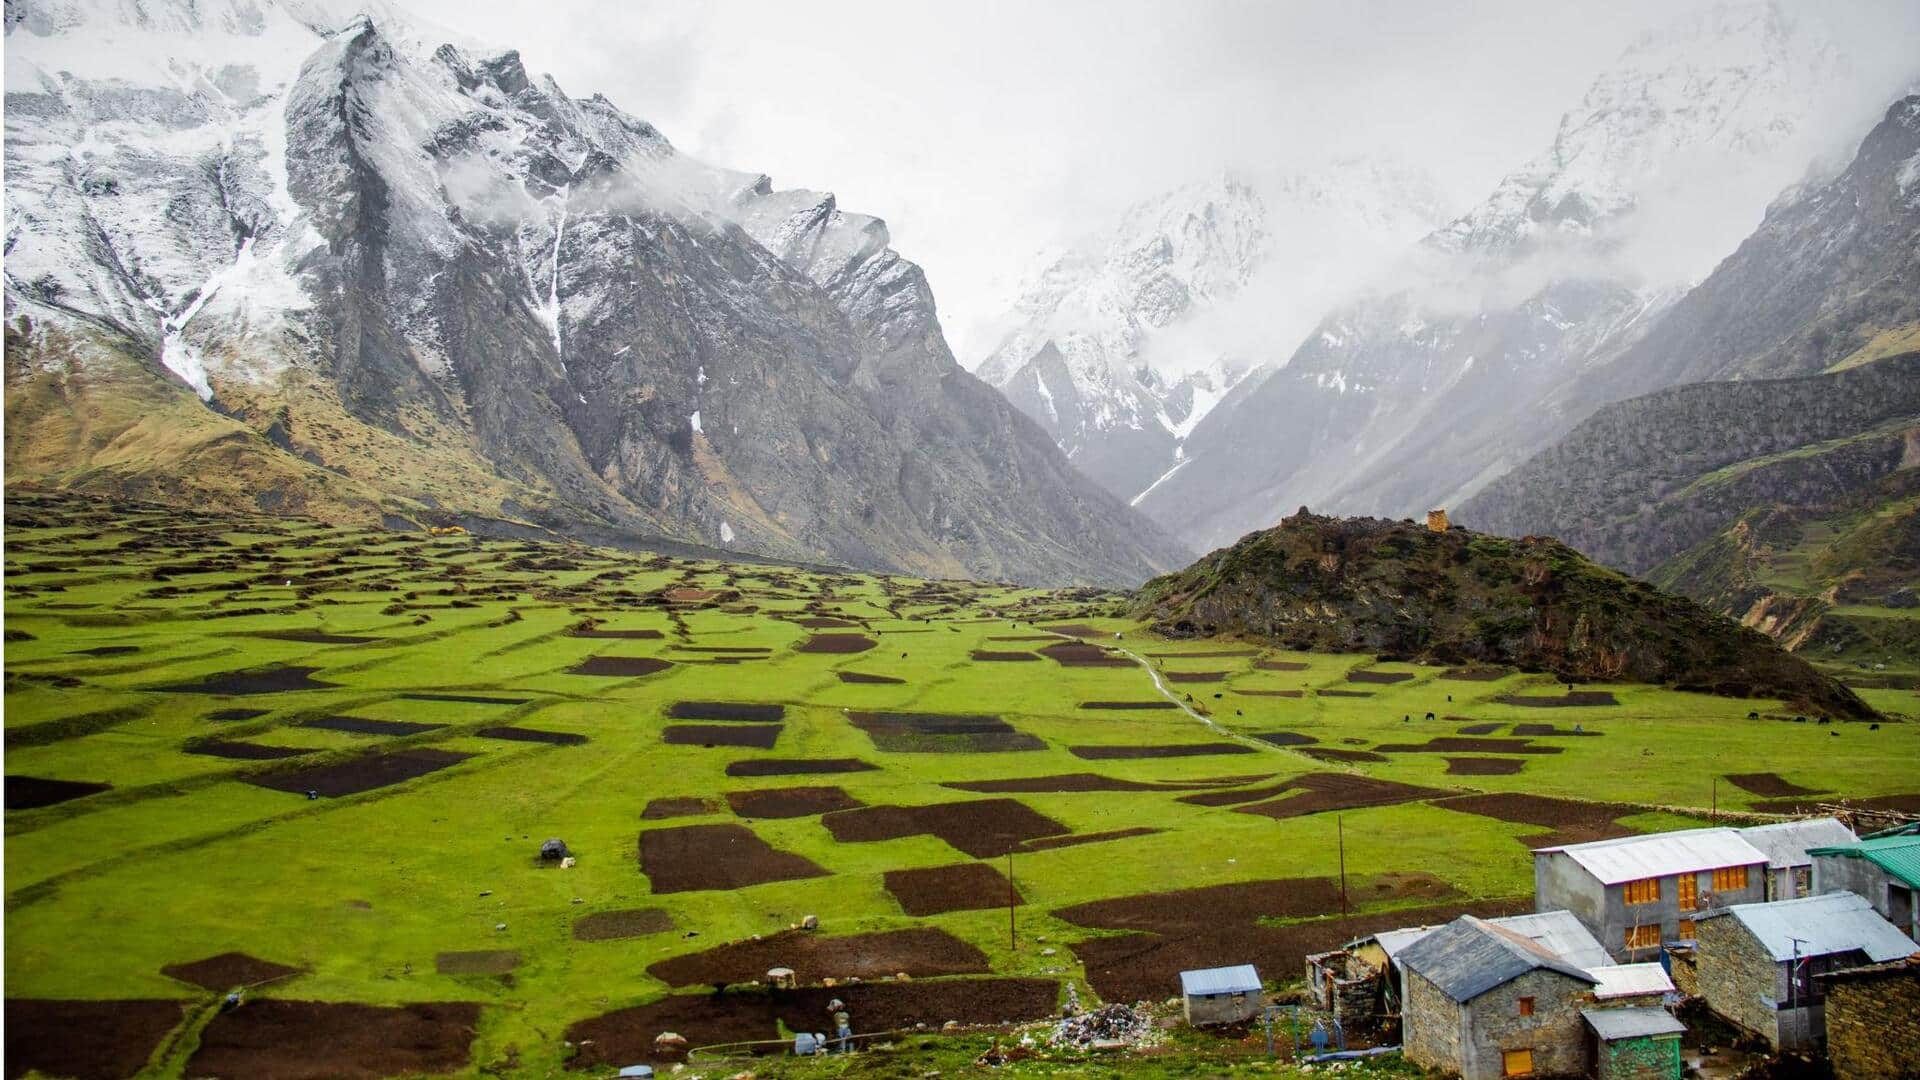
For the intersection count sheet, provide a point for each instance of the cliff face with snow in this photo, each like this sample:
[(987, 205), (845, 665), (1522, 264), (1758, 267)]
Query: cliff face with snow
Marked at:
[(1123, 344), (1500, 331), (307, 256)]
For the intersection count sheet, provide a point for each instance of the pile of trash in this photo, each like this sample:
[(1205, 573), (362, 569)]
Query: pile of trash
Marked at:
[(1108, 1027)]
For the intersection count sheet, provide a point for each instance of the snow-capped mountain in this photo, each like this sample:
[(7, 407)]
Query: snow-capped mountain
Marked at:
[(1122, 344), (310, 255), (1475, 351)]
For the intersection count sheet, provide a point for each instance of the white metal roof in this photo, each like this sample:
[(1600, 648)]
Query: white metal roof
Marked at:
[(1786, 842), (1836, 922), (1630, 980), (1611, 1024), (1242, 979), (1559, 932), (1631, 858)]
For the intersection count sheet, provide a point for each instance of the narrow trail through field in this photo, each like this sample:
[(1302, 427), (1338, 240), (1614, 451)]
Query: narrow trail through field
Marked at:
[(1170, 695)]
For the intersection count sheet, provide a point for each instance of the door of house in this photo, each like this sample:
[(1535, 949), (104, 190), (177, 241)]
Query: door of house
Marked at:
[(1517, 1062)]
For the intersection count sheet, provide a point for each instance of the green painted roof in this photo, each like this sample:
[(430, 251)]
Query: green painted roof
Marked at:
[(1897, 855)]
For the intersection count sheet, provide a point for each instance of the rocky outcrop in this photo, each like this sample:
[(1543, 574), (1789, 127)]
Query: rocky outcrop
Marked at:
[(1399, 590)]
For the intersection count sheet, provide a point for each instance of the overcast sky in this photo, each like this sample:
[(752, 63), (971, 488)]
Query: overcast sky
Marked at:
[(983, 130)]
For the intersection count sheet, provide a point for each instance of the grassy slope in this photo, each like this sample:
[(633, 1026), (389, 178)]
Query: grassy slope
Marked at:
[(181, 861)]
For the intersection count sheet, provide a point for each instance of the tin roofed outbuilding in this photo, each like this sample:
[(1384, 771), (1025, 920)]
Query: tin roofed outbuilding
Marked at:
[(1885, 869), (1226, 995)]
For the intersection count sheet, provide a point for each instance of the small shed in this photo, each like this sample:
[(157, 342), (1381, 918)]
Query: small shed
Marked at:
[(1225, 995), (1641, 1043), (1632, 984)]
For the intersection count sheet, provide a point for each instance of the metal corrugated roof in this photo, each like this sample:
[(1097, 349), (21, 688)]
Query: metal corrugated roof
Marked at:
[(1837, 922), (1786, 842), (1637, 1023), (1630, 980), (1897, 855), (1469, 956), (1242, 979), (1393, 942), (1559, 932), (1631, 858)]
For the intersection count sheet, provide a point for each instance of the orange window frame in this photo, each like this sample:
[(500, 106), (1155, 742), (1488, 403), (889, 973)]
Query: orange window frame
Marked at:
[(1730, 879), (1688, 892), (1643, 891), (1643, 937)]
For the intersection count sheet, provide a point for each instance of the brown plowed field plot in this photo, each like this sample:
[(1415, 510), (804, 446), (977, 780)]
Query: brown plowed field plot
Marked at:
[(861, 678), (1344, 693), (91, 1040), (1054, 843), (1475, 674), (1067, 782), (693, 857), (1338, 791), (520, 734), (688, 596), (920, 952), (360, 725), (1451, 744), (1335, 753), (983, 828), (736, 711), (228, 970), (311, 637), (359, 774), (482, 962), (826, 622), (1280, 665), (222, 716), (1769, 785), (619, 667), (1235, 798), (1539, 731), (1382, 678), (798, 766), (1176, 750), (31, 792), (1079, 630), (471, 699), (1158, 703), (1194, 676), (836, 643), (1572, 699), (1570, 821), (791, 802), (1189, 909), (1483, 766), (936, 733), (271, 1039), (1147, 966), (277, 680), (1286, 738), (616, 925), (1081, 654), (627, 1036), (1271, 693), (678, 806), (1481, 729), (616, 635), (990, 656), (756, 736), (962, 887)]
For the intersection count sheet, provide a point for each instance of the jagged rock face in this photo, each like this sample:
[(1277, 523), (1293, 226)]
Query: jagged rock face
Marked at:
[(1121, 346), (1643, 480), (1399, 590), (1419, 395), (410, 279)]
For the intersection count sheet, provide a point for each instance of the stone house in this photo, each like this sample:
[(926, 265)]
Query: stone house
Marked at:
[(1873, 1019), (1636, 892), (1757, 964), (1884, 868), (1638, 1043), (1788, 846), (1484, 1002), (1225, 995)]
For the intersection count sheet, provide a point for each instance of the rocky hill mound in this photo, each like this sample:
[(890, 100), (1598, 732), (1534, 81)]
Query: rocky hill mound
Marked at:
[(1397, 589)]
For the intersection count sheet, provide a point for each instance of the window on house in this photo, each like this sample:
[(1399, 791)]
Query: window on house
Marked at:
[(1643, 937), (1644, 891), (1517, 1062), (1685, 932), (1526, 1006), (1730, 879), (1689, 891)]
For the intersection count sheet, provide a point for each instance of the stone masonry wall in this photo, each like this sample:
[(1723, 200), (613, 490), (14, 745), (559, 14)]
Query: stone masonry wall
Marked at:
[(1735, 974), (1430, 1026), (1873, 1025), (1555, 1032)]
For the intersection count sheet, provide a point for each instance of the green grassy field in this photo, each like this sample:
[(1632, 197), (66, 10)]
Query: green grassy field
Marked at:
[(110, 612)]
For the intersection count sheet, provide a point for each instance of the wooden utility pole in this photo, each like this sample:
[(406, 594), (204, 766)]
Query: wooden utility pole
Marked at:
[(1713, 814), (1013, 943), (1340, 831)]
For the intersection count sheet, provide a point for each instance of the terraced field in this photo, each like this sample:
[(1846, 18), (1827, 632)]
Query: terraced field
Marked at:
[(322, 763)]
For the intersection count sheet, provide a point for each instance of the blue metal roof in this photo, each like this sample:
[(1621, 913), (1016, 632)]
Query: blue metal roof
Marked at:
[(1207, 982)]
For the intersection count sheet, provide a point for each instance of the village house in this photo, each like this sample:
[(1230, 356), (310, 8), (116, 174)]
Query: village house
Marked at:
[(1635, 892), (1483, 1001), (1788, 846), (1884, 868), (1227, 995), (1873, 1019), (1360, 983), (1756, 964), (1638, 1043)]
